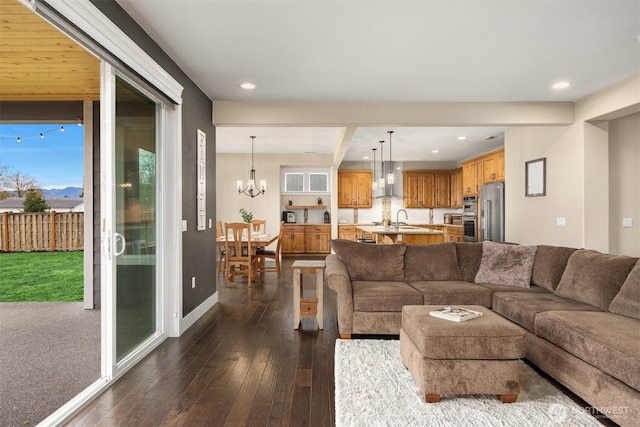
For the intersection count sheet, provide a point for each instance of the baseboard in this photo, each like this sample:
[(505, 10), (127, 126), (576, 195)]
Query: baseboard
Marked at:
[(191, 318)]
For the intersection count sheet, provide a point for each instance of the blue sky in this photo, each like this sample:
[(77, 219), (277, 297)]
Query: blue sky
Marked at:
[(55, 161)]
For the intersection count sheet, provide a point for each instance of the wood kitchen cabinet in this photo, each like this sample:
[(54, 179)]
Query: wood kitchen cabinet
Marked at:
[(354, 189), (306, 239), (456, 189), (441, 190), (426, 189), (471, 172), (317, 239), (482, 170), (453, 234), (293, 239), (350, 232), (493, 167), (347, 232)]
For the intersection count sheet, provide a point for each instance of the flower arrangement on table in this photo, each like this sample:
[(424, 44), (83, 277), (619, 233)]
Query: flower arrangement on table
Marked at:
[(246, 216)]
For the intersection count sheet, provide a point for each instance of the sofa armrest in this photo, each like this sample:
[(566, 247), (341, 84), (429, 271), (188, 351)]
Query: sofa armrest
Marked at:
[(338, 279)]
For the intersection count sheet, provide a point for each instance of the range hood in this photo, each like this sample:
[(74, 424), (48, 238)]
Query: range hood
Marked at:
[(390, 190)]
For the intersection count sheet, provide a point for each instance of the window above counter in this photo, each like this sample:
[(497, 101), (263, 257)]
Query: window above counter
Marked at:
[(309, 181)]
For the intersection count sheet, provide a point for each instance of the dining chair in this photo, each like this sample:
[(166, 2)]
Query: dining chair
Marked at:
[(238, 253), (221, 250), (259, 225), (275, 255)]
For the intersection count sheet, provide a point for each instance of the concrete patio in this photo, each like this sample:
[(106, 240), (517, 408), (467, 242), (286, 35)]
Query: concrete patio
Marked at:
[(49, 352)]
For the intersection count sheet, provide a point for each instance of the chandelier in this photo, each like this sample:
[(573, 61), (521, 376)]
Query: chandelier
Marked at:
[(374, 181), (251, 189), (381, 181), (391, 176)]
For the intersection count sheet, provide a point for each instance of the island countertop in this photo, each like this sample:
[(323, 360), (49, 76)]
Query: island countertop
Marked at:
[(409, 234), (403, 229)]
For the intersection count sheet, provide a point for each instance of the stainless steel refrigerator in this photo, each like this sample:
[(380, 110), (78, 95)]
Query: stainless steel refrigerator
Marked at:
[(491, 206)]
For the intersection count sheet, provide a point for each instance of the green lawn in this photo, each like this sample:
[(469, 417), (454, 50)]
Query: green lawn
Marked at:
[(41, 276)]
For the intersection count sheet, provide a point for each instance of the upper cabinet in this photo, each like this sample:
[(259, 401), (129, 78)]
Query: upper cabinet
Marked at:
[(426, 189), (493, 167), (354, 189), (470, 185), (482, 170), (456, 188)]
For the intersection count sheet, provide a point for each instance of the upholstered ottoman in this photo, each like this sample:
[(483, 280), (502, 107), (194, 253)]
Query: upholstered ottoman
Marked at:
[(478, 356)]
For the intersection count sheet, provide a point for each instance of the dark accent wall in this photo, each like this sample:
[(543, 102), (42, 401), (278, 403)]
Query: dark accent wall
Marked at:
[(198, 247)]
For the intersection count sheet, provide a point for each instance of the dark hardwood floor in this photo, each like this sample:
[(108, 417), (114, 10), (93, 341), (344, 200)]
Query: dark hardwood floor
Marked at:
[(241, 364)]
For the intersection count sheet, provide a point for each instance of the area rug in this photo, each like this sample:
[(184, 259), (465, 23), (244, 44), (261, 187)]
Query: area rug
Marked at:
[(373, 388)]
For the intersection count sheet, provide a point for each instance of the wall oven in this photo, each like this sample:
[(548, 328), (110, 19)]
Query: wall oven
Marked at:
[(470, 218), (470, 206), (470, 228)]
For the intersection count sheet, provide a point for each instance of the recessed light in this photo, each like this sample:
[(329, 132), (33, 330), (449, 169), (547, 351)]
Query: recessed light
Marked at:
[(366, 157), (560, 85), (248, 86), (435, 151), (460, 138)]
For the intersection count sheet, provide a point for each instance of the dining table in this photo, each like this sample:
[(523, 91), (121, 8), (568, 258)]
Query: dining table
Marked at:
[(258, 240)]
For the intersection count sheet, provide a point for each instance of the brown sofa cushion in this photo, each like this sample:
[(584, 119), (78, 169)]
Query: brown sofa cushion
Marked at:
[(371, 262), (454, 293), (469, 257), (522, 307), (627, 302), (431, 262), (549, 265), (605, 340), (504, 264), (383, 296), (593, 277)]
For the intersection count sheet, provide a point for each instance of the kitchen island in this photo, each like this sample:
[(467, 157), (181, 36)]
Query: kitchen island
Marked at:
[(408, 234)]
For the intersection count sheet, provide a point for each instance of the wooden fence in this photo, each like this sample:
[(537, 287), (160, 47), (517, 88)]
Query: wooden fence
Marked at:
[(30, 232)]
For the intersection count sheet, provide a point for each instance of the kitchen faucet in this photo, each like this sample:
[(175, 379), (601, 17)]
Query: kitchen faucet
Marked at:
[(406, 216)]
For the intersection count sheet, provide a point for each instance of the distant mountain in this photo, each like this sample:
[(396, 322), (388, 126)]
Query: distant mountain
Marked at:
[(72, 192)]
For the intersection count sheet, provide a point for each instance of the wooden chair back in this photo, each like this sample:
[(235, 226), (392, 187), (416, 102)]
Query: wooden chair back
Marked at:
[(238, 254), (273, 255), (235, 231), (279, 244), (221, 249), (259, 225)]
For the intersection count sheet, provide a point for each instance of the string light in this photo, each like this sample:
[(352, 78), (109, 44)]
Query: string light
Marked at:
[(39, 134)]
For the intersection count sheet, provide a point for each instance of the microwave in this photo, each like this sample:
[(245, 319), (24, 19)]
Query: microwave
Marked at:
[(289, 217)]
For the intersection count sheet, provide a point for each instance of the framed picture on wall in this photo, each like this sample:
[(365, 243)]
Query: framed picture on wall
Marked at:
[(535, 179), (202, 180)]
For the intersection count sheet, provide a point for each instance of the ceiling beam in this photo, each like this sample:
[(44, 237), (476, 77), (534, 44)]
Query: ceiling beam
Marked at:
[(342, 144), (229, 113)]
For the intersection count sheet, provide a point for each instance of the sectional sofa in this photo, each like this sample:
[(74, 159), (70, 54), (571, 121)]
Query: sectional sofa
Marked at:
[(580, 309)]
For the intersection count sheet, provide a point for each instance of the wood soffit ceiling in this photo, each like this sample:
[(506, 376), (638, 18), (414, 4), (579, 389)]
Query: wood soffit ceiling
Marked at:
[(39, 63)]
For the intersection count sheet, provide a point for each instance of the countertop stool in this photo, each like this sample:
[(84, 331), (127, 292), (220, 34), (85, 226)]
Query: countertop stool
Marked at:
[(305, 305), (478, 356)]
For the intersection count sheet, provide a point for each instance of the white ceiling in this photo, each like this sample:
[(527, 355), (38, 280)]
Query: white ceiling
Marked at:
[(426, 51)]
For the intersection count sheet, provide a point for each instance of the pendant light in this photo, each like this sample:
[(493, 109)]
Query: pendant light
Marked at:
[(381, 181), (391, 177), (374, 181), (251, 189)]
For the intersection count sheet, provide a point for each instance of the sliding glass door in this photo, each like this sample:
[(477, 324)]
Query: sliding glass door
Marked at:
[(131, 213), (135, 218)]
